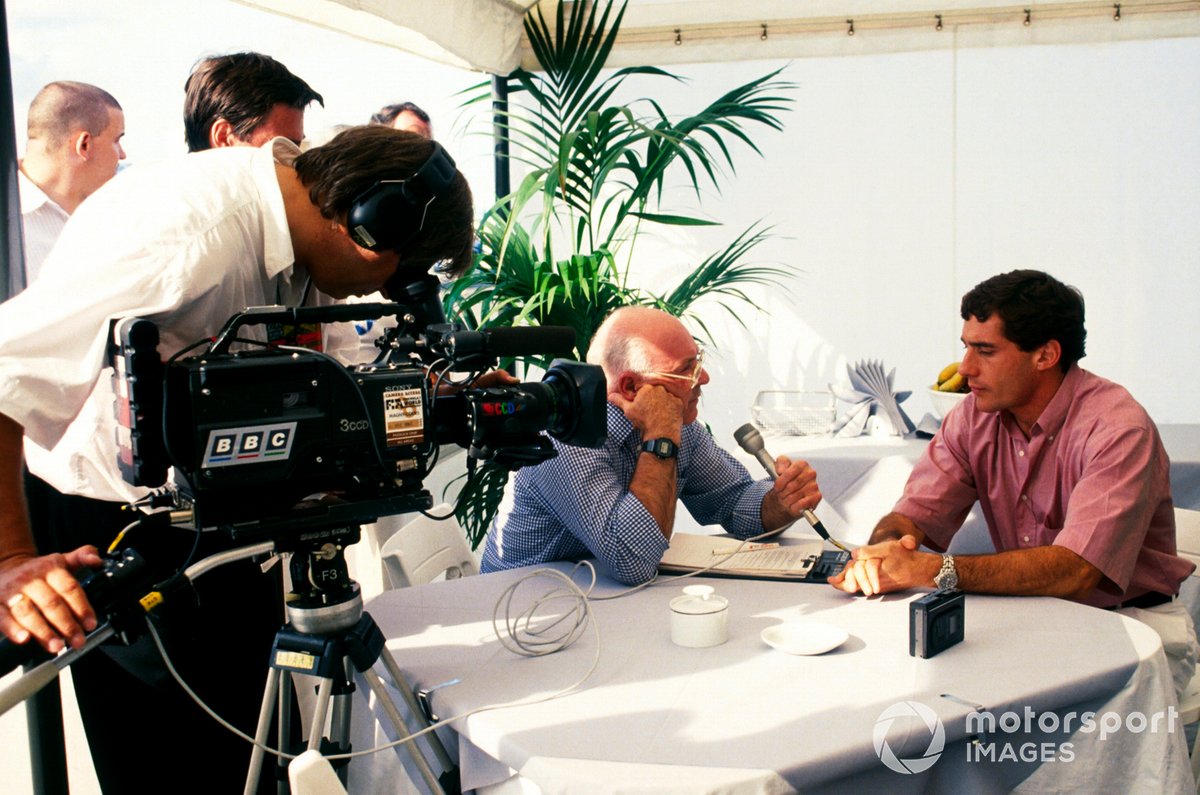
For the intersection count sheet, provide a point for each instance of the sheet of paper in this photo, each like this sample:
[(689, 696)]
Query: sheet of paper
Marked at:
[(689, 552)]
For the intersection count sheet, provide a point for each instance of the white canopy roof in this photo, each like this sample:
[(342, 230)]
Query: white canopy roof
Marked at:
[(486, 35)]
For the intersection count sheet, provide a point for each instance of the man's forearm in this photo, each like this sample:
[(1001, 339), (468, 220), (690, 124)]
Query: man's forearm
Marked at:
[(654, 484), (15, 538), (1039, 571), (893, 526)]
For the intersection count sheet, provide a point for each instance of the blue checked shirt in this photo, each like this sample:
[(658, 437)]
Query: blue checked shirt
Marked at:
[(578, 504)]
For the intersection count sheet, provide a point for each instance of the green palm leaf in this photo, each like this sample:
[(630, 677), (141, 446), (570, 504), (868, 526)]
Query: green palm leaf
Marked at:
[(559, 249)]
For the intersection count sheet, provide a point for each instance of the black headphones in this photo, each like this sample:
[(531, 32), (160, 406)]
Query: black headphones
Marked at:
[(391, 212)]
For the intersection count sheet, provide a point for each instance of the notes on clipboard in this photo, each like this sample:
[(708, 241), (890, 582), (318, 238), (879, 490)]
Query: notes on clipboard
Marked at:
[(731, 557)]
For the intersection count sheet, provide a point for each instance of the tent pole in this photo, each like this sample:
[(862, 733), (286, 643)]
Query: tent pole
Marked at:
[(500, 133), (43, 711), (12, 259)]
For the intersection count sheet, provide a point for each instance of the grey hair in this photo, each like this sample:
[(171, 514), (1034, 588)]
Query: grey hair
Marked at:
[(620, 352)]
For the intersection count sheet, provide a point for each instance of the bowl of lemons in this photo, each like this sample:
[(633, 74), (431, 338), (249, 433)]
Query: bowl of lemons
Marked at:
[(949, 391)]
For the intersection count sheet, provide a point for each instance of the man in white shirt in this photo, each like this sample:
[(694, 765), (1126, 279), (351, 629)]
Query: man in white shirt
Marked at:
[(186, 244), (74, 146)]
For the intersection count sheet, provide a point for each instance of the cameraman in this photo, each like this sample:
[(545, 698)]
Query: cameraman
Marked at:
[(618, 502), (185, 244)]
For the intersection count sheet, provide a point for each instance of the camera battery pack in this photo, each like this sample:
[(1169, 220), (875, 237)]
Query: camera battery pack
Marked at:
[(936, 622)]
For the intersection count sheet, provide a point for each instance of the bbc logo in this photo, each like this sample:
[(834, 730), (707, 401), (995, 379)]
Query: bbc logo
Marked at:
[(249, 445)]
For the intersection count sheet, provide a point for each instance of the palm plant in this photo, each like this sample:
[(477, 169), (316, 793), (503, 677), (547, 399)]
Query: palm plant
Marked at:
[(559, 249)]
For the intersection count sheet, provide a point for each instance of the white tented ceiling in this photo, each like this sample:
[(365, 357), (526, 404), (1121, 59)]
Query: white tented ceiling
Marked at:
[(487, 35)]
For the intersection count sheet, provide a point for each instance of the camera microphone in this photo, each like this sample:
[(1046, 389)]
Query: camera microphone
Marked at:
[(750, 440), (517, 341)]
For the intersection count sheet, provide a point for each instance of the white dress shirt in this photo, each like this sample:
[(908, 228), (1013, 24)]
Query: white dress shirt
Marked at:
[(185, 243), (42, 221)]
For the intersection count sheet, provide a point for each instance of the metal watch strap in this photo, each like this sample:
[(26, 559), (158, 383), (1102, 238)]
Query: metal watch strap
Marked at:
[(947, 577)]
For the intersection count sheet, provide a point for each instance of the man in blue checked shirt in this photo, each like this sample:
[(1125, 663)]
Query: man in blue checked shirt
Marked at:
[(617, 503)]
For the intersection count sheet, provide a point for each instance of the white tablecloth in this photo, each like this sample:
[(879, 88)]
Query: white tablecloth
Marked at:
[(742, 717)]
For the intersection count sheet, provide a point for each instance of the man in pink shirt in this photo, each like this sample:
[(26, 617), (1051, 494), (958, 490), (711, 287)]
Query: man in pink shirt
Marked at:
[(1067, 467)]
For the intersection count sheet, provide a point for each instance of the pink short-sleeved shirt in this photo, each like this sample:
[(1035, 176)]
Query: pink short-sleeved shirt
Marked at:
[(1092, 477)]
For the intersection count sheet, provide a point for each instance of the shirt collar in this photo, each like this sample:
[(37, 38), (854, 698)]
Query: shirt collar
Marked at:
[(1055, 413), (34, 198), (278, 254), (1051, 420)]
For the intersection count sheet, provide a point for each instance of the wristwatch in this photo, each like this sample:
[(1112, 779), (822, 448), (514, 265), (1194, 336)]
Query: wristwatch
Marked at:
[(663, 448), (947, 578)]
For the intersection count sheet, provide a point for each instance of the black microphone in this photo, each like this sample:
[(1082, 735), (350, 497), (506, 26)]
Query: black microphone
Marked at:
[(750, 440), (517, 341)]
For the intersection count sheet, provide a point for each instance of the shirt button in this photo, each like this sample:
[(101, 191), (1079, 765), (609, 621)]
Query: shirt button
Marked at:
[(1021, 453), (1026, 539), (1052, 437), (1024, 498)]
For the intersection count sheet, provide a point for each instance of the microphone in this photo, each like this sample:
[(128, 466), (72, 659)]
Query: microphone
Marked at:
[(750, 440), (517, 341)]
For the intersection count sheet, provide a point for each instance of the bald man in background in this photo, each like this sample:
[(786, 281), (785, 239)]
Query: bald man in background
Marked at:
[(74, 147)]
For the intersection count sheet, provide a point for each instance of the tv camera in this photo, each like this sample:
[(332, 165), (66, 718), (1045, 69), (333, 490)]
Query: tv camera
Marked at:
[(253, 430), (250, 433)]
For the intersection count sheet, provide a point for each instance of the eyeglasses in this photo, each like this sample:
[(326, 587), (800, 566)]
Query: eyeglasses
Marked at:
[(693, 377)]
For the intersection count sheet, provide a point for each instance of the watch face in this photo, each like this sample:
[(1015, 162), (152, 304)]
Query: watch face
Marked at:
[(947, 578), (663, 448)]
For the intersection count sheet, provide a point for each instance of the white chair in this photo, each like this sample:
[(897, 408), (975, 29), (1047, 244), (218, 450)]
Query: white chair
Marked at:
[(1187, 542), (426, 549)]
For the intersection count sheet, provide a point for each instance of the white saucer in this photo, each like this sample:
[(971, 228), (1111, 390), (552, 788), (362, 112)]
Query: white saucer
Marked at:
[(804, 637)]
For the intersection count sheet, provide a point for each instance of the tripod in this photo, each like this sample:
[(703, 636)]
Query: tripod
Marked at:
[(329, 636)]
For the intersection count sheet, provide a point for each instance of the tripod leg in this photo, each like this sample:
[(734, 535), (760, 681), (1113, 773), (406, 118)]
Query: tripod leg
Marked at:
[(393, 713), (261, 732), (317, 727), (283, 716), (410, 699)]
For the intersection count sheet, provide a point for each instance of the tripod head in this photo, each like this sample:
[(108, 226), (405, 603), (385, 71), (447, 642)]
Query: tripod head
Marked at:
[(324, 598)]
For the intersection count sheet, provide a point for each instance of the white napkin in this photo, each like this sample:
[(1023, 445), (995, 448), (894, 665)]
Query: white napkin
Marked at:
[(870, 394)]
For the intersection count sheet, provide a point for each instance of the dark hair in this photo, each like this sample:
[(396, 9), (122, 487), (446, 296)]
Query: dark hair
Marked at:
[(338, 172), (1035, 308), (241, 88), (65, 106), (388, 113)]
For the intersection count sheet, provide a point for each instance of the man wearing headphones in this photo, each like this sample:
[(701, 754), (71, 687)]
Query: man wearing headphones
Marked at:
[(373, 209)]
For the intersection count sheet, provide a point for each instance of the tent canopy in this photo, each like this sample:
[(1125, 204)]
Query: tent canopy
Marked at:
[(487, 35)]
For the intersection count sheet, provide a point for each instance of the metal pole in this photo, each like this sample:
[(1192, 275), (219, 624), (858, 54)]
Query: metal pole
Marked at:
[(12, 258), (500, 132), (43, 712)]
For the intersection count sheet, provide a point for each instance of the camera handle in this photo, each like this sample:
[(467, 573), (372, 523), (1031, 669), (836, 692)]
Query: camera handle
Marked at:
[(36, 678), (258, 315)]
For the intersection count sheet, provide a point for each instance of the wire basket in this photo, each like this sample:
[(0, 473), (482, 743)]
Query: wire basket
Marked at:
[(790, 413)]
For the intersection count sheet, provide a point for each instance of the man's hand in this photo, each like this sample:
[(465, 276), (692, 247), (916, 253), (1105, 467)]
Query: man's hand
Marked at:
[(40, 598), (654, 411), (794, 492), (495, 378), (490, 378), (893, 565)]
